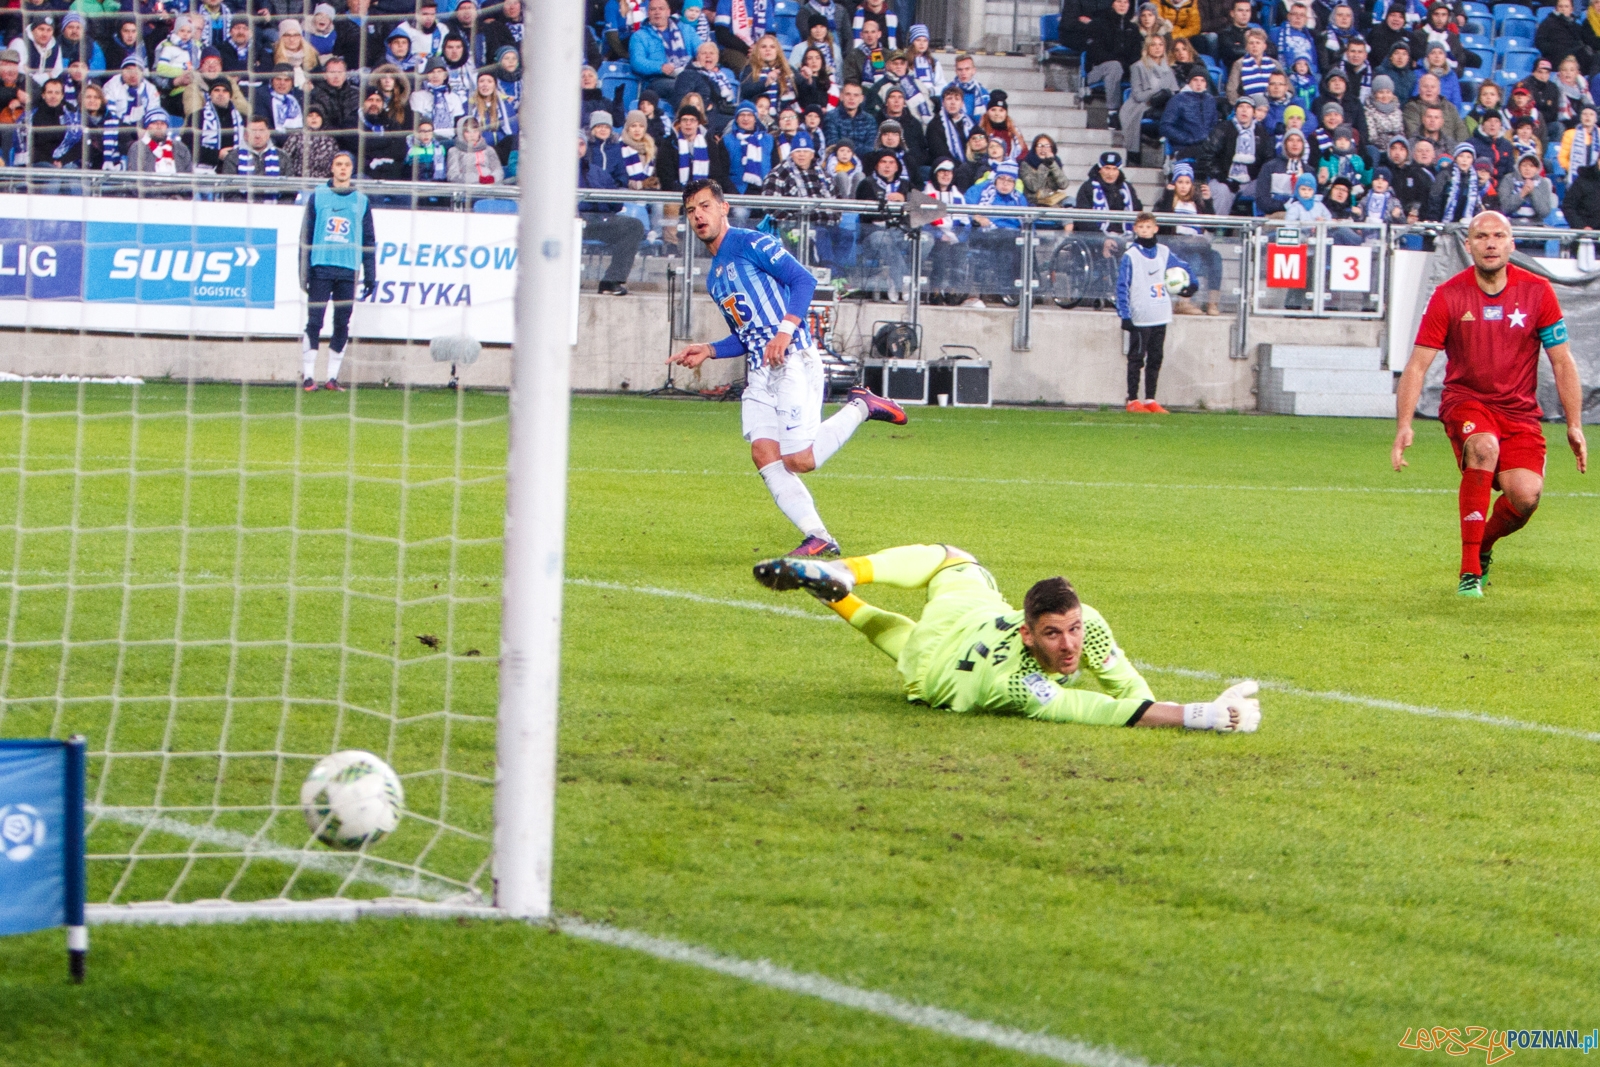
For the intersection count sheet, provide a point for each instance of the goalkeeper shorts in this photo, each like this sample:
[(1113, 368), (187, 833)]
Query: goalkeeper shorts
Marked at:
[(1521, 440)]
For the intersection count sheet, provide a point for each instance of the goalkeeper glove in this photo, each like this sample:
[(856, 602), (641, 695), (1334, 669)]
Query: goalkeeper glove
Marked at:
[(1219, 714)]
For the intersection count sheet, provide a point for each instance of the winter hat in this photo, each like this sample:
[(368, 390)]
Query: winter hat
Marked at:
[(744, 105), (945, 163), (1306, 178), (998, 99), (890, 126), (1465, 146), (1294, 111), (69, 18), (155, 114), (1397, 139), (209, 53), (325, 9), (1523, 120), (1530, 155), (919, 30), (1330, 106), (1008, 169), (1345, 132), (635, 116), (1383, 81), (1110, 159), (11, 55), (1385, 173), (1182, 170), (1438, 46), (127, 61), (435, 63), (800, 141), (289, 26), (1259, 101), (599, 118), (1401, 45)]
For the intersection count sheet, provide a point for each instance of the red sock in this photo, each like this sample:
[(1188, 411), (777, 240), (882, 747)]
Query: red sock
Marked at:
[(1476, 486), (1505, 520)]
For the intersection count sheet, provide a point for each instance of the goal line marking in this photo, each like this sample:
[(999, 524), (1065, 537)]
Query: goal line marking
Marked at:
[(1333, 695)]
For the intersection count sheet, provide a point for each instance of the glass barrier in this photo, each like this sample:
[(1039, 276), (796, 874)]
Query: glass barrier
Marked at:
[(1323, 269)]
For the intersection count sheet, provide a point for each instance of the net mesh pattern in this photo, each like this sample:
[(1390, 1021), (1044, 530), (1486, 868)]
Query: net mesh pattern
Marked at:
[(218, 583)]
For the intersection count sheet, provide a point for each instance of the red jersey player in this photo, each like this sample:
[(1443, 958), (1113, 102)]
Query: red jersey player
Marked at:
[(1491, 321)]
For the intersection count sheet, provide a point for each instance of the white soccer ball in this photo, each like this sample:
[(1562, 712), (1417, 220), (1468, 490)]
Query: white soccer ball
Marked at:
[(352, 798), (1177, 279)]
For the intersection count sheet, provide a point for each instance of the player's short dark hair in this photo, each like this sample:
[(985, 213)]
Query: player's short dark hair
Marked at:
[(699, 185), (1051, 596)]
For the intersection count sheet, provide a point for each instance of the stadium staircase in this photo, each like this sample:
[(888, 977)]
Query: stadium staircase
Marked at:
[(1324, 380), (1037, 109)]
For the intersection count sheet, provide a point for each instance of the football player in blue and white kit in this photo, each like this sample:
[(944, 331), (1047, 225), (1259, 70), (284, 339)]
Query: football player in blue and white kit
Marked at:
[(763, 292)]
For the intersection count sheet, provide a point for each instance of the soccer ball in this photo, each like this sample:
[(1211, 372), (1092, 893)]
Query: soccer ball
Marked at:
[(1177, 279), (352, 798)]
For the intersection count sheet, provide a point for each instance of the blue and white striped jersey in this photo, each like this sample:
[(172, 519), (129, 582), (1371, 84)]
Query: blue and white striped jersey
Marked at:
[(755, 283)]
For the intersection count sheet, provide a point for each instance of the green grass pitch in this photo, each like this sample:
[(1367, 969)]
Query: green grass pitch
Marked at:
[(751, 782)]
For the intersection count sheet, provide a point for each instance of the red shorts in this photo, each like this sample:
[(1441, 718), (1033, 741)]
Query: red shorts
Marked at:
[(1521, 440)]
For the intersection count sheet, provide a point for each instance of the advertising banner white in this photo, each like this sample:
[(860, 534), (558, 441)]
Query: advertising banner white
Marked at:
[(182, 267)]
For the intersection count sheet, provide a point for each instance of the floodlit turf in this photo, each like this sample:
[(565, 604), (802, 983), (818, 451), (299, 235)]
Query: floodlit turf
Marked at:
[(752, 783)]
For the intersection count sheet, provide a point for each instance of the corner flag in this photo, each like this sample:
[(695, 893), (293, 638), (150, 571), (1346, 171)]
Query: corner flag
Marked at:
[(42, 871)]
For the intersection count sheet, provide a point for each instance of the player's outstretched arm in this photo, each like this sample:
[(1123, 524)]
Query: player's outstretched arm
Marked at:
[(1236, 710), (691, 356), (1570, 388), (1406, 395)]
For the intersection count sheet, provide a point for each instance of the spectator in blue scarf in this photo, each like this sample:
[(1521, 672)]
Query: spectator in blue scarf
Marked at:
[(749, 148)]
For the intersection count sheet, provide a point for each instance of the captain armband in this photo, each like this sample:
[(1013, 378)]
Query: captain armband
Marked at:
[(1554, 334)]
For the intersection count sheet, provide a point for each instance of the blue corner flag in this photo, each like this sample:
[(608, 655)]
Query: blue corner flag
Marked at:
[(42, 872)]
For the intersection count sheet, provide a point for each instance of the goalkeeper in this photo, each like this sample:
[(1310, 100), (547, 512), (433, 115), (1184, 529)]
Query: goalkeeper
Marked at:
[(971, 651)]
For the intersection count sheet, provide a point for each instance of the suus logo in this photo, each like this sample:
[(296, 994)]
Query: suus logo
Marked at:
[(226, 266), (21, 831), (41, 259)]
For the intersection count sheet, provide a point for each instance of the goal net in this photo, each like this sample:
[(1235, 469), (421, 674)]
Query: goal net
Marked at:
[(217, 577)]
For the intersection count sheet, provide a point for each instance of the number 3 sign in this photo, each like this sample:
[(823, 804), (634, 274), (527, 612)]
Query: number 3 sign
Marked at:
[(1350, 269)]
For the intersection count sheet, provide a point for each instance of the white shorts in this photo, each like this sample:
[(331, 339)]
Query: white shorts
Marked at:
[(784, 404)]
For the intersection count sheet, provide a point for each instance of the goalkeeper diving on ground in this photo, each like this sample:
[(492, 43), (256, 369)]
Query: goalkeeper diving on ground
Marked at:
[(973, 652)]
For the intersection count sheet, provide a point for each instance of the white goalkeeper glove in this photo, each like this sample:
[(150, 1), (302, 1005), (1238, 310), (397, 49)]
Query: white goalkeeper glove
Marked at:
[(1219, 714)]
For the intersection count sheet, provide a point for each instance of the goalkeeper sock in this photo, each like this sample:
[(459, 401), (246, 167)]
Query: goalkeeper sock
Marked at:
[(1476, 487), (335, 358), (1505, 520), (794, 499), (906, 567), (886, 630), (832, 435), (308, 362)]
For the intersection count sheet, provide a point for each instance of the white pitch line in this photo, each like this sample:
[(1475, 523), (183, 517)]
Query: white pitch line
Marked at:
[(1333, 695), (421, 884), (939, 1020), (1062, 483)]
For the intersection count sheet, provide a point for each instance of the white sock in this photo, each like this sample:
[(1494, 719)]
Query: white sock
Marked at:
[(308, 362), (334, 359), (832, 435), (794, 499)]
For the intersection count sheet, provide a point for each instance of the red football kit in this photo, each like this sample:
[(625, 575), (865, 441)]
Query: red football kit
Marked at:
[(1491, 346)]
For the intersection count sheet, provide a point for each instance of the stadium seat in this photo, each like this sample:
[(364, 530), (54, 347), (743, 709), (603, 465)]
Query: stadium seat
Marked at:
[(1476, 40), (1486, 60), (1519, 62), (1502, 45), (1518, 27), (615, 74), (783, 16), (494, 206), (1050, 46), (1481, 27), (1511, 11), (1219, 76), (1506, 79), (1544, 13), (1474, 10)]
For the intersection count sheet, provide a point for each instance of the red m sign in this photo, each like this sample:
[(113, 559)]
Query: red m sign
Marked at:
[(1286, 266)]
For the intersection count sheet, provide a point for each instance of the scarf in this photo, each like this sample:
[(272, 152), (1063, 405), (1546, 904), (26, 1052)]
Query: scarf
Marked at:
[(1244, 153), (747, 19), (165, 159), (1585, 147), (441, 109), (431, 156), (110, 146), (672, 40), (694, 161), (1472, 204), (956, 131), (890, 21), (977, 97), (211, 126), (702, 28), (753, 145), (774, 92), (1382, 108), (638, 169), (1254, 74), (829, 11), (74, 134), (884, 187), (922, 68), (286, 112), (485, 174), (216, 26), (633, 13), (780, 146), (1378, 205), (268, 157)]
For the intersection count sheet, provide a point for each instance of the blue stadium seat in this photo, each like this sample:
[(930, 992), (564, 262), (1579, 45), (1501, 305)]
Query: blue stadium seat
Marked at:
[(1476, 40), (1474, 10), (616, 73), (1517, 27), (1050, 38), (1519, 63), (1511, 11), (494, 206), (1486, 58), (782, 22), (1544, 13), (1483, 27), (1506, 80), (1502, 45), (1218, 75)]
